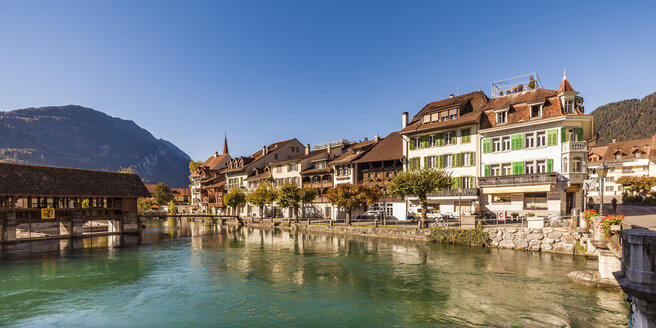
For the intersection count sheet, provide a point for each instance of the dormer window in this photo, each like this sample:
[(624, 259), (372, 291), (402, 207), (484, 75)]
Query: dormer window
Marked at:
[(569, 107), (536, 111), (502, 117), (637, 154), (618, 156)]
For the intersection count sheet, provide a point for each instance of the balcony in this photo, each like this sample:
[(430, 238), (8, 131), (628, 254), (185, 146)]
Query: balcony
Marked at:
[(317, 185), (468, 192), (575, 146), (519, 179), (575, 177)]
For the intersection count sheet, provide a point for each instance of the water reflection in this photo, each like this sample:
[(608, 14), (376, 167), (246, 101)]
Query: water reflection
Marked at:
[(197, 274)]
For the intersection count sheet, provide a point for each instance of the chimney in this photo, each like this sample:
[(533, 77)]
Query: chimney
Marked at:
[(451, 95), (404, 120), (307, 149), (265, 151), (329, 150), (216, 154), (366, 139), (376, 138)]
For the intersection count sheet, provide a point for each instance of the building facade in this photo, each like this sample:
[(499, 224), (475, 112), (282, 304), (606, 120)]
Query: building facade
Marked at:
[(534, 147)]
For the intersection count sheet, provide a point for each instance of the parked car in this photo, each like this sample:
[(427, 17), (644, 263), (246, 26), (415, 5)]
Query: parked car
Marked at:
[(370, 215)]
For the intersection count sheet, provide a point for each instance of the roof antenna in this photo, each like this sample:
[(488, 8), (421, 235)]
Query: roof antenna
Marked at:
[(564, 73), (457, 90)]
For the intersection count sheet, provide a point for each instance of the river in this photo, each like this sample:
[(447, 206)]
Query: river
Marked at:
[(254, 278)]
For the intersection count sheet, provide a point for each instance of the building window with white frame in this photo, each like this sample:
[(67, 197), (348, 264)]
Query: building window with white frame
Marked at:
[(529, 141), (536, 111), (416, 142), (502, 117), (431, 161), (466, 182), (448, 138), (506, 169), (495, 170), (569, 107), (496, 145), (529, 167), (542, 166), (466, 159), (541, 139), (448, 160), (577, 165), (505, 143), (431, 140)]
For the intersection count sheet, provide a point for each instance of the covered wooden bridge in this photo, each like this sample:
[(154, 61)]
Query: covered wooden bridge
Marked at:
[(40, 202)]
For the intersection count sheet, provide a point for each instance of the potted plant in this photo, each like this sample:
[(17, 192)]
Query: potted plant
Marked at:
[(508, 91), (500, 93), (531, 82), (514, 215), (588, 216), (520, 88), (609, 224), (514, 89)]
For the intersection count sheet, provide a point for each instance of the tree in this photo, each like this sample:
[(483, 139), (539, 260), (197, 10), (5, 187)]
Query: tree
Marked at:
[(144, 205), (419, 183), (289, 196), (351, 197), (162, 194), (264, 193), (129, 170), (193, 165), (171, 207), (640, 185), (307, 196), (234, 198)]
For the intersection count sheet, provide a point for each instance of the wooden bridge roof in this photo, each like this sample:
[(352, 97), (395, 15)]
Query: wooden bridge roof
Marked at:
[(20, 179)]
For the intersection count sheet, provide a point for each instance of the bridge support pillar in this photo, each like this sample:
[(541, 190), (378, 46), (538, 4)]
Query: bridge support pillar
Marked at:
[(113, 225), (131, 223), (65, 228), (638, 275), (8, 225)]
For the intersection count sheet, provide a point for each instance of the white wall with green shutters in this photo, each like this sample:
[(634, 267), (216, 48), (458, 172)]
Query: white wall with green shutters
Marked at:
[(417, 156), (519, 153)]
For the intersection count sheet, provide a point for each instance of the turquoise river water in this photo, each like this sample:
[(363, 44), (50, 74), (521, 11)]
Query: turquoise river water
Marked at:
[(185, 276)]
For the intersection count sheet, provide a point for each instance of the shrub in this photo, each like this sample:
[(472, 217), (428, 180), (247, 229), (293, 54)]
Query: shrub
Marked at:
[(608, 221), (514, 214), (588, 215), (530, 214), (650, 201), (469, 237)]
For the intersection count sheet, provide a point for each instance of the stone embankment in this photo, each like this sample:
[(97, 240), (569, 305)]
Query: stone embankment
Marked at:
[(553, 240)]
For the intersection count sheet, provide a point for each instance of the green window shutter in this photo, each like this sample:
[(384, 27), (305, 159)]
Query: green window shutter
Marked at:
[(486, 170), (549, 165), (520, 141), (456, 160), (552, 137), (426, 162), (458, 182), (454, 138), (579, 134), (472, 158), (563, 135), (466, 136), (411, 144), (518, 168), (439, 139), (487, 145), (441, 161)]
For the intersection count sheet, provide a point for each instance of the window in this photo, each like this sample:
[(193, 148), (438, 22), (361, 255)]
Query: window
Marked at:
[(320, 165), (501, 198), (577, 164), (637, 154), (502, 117), (416, 142), (278, 169), (529, 167), (466, 159), (444, 116), (292, 168), (536, 111), (529, 140), (275, 156), (535, 201), (505, 143), (542, 166), (427, 118), (448, 138), (609, 179), (496, 144), (454, 116), (431, 141), (496, 170), (448, 160), (569, 107), (465, 182), (507, 169), (430, 161), (610, 188), (618, 156), (465, 136), (541, 139), (565, 164)]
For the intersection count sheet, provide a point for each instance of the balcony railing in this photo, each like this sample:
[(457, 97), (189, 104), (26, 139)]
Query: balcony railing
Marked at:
[(455, 192), (323, 184), (575, 146), (382, 169), (519, 179), (576, 177)]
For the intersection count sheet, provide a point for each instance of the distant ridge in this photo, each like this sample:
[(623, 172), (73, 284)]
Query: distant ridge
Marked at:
[(80, 137), (626, 120)]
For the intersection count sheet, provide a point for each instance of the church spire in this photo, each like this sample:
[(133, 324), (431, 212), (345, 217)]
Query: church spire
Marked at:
[(225, 144)]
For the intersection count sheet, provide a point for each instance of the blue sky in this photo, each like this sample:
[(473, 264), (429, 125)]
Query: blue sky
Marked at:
[(188, 71)]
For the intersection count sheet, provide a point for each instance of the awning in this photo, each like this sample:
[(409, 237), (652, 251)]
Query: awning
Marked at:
[(518, 189)]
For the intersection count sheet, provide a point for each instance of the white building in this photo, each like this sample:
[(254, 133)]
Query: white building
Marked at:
[(444, 134), (633, 158), (534, 151)]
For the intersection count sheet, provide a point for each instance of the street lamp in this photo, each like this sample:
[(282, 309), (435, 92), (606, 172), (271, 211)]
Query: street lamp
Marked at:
[(602, 170)]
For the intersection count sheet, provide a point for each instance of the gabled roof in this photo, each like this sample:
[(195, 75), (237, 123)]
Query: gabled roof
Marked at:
[(599, 151), (469, 108), (213, 162), (272, 147), (526, 97), (456, 101), (317, 171), (354, 152), (389, 148), (628, 148), (315, 153), (20, 179), (565, 87)]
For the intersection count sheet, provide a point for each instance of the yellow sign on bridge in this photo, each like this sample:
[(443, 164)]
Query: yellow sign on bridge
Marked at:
[(47, 213)]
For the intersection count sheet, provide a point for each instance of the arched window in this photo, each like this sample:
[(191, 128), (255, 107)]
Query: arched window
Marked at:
[(565, 164)]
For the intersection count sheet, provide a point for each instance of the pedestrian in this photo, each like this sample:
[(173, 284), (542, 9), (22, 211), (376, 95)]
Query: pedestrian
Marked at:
[(614, 203), (591, 203)]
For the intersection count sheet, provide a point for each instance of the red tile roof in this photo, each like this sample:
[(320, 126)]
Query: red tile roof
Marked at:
[(389, 148), (469, 108), (565, 87)]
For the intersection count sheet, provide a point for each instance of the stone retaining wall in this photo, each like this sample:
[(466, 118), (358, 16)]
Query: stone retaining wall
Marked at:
[(553, 240)]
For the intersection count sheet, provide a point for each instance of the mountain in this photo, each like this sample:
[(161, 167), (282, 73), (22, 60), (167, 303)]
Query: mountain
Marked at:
[(626, 120), (80, 137)]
